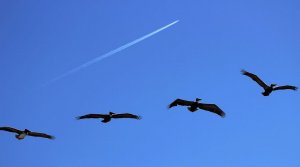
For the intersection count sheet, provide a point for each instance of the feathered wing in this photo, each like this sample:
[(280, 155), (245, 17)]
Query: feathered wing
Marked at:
[(285, 87), (180, 102), (36, 134), (92, 116), (212, 108), (126, 115), (9, 129), (255, 78)]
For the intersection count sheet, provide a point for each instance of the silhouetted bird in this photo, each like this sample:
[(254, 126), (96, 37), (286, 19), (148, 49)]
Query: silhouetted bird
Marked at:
[(194, 105), (268, 89), (22, 134), (109, 116)]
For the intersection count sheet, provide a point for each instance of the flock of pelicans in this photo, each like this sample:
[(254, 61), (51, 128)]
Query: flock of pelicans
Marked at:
[(192, 106)]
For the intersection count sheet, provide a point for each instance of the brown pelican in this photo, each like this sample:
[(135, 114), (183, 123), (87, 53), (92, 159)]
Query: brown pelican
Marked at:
[(107, 117), (22, 134), (194, 105), (268, 89)]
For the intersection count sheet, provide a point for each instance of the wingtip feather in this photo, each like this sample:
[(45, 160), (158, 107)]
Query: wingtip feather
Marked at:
[(244, 72), (52, 137)]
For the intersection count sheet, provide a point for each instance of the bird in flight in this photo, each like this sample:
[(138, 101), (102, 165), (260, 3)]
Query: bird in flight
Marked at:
[(268, 89), (195, 105), (22, 134), (107, 117)]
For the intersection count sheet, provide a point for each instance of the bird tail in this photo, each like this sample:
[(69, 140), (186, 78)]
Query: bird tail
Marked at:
[(265, 93), (105, 120)]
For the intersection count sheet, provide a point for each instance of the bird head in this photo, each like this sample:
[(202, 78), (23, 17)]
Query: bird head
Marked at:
[(111, 113), (272, 85), (26, 131), (198, 99)]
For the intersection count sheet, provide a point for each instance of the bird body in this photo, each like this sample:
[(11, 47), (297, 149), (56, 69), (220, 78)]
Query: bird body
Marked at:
[(22, 134), (193, 108), (195, 105), (107, 117), (267, 89)]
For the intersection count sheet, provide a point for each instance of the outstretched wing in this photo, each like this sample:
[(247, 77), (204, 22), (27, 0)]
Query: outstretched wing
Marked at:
[(36, 134), (255, 78), (285, 87), (9, 129), (180, 102), (92, 116), (126, 115), (212, 108)]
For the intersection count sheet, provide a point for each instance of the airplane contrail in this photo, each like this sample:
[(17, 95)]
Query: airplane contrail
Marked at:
[(110, 53)]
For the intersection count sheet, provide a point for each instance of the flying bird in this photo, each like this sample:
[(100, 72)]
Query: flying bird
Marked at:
[(107, 117), (195, 105), (22, 134), (268, 89)]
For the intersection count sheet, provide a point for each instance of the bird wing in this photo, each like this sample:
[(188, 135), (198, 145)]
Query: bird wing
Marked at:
[(181, 103), (36, 134), (255, 78), (285, 87), (9, 129), (126, 115), (212, 108), (92, 116)]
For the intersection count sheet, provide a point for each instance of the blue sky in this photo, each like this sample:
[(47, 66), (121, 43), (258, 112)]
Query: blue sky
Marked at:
[(200, 56)]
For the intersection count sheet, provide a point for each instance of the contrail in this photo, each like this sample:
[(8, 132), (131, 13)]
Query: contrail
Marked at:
[(110, 53)]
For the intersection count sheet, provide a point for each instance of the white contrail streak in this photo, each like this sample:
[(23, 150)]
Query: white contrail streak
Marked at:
[(111, 53)]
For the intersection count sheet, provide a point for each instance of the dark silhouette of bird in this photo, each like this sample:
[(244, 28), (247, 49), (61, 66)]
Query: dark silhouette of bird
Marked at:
[(195, 105), (107, 117), (22, 134), (268, 89)]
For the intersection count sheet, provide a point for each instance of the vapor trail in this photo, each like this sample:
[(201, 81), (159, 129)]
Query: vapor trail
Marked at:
[(110, 53)]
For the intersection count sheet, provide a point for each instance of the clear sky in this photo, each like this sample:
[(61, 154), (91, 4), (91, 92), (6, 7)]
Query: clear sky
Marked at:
[(200, 56)]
